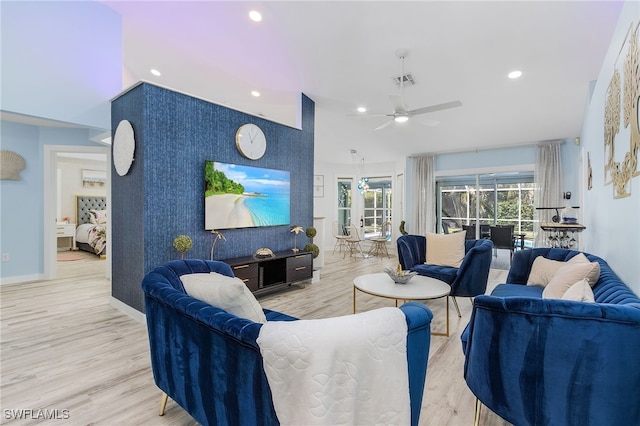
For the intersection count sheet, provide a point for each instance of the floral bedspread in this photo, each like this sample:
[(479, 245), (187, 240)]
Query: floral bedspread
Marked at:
[(98, 238)]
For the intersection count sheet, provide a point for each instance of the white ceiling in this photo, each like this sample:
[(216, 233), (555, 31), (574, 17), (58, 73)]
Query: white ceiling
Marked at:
[(342, 55)]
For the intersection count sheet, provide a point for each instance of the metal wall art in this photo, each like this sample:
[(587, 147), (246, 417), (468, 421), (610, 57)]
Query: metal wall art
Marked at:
[(622, 110)]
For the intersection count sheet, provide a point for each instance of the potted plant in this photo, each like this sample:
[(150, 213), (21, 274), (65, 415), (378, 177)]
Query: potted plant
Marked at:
[(183, 244), (313, 248)]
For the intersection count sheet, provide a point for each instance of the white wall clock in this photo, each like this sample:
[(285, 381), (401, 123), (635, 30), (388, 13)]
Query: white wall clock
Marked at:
[(251, 142), (123, 147)]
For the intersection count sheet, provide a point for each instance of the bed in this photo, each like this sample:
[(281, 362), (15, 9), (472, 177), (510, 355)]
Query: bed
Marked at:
[(91, 220)]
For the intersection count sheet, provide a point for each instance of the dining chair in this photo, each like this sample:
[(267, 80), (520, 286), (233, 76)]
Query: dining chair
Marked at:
[(379, 242), (502, 238), (445, 227), (340, 236), (353, 242), (471, 232)]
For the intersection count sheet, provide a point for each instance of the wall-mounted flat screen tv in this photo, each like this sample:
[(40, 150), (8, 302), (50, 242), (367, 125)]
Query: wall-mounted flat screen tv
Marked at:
[(238, 196)]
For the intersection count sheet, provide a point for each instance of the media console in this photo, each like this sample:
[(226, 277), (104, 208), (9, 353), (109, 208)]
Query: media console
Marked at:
[(265, 274)]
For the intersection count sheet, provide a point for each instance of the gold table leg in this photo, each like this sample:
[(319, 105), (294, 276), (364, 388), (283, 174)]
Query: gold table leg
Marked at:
[(433, 333), (354, 299)]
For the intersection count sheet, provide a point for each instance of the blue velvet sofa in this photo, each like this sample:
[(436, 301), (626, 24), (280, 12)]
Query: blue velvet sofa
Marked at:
[(469, 280), (208, 361), (536, 361)]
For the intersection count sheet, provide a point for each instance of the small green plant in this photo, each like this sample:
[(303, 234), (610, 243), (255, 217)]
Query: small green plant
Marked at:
[(313, 248), (183, 244), (311, 232)]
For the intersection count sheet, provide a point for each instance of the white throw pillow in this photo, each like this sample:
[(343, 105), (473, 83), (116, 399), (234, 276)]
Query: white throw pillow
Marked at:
[(227, 293), (445, 249), (542, 270), (568, 275), (580, 292)]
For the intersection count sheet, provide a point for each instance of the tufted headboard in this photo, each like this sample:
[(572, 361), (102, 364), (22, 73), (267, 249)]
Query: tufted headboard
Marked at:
[(85, 203)]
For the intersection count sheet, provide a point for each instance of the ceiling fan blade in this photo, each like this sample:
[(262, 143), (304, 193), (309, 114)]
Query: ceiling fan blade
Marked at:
[(427, 122), (365, 115), (434, 108), (383, 125), (398, 103)]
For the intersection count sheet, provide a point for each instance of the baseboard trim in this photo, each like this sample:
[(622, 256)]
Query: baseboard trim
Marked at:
[(22, 279), (128, 310)]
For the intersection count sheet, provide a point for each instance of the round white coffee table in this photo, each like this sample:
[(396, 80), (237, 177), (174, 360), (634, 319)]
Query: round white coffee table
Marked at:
[(418, 288)]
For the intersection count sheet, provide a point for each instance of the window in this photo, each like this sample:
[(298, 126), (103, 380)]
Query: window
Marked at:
[(344, 202), (377, 208), (495, 199)]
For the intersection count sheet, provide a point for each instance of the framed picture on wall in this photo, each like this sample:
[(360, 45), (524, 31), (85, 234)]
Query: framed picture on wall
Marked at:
[(318, 186)]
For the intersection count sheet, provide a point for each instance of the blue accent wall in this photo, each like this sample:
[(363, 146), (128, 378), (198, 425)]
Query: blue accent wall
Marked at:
[(162, 196)]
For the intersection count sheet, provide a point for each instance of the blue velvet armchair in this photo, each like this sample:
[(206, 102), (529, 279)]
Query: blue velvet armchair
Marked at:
[(540, 361), (469, 280), (207, 360)]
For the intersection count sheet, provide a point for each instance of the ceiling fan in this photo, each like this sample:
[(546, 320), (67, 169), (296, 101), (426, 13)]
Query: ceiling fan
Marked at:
[(400, 113)]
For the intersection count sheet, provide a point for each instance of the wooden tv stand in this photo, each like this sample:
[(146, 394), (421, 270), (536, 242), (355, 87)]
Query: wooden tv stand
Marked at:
[(266, 274)]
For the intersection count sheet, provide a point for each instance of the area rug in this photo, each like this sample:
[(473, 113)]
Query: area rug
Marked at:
[(66, 256)]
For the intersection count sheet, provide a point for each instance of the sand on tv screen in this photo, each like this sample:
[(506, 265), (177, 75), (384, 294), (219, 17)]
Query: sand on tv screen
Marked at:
[(238, 196)]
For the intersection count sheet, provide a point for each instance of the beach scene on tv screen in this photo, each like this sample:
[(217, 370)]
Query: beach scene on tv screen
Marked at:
[(242, 196)]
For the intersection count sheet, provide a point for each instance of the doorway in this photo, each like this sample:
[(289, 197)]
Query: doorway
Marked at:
[(53, 209)]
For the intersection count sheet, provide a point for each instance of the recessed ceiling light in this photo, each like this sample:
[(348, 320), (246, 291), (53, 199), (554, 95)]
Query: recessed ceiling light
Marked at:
[(514, 74), (255, 93), (255, 16), (156, 72), (362, 109)]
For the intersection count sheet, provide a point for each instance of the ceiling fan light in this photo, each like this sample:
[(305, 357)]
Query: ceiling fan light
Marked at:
[(401, 118), (515, 74)]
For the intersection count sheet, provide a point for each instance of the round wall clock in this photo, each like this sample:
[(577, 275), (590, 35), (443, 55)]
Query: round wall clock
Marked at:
[(251, 142), (123, 147)]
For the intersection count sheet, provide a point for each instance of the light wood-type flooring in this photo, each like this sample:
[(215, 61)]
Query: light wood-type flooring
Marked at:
[(64, 348)]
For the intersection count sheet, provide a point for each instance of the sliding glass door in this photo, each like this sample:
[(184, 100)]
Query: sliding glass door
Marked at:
[(489, 199)]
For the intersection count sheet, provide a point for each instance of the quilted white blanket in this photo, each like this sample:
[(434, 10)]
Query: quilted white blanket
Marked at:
[(349, 370)]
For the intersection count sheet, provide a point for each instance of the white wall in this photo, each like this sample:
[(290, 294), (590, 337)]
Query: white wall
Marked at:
[(22, 224), (71, 183), (613, 225), (61, 60), (326, 206)]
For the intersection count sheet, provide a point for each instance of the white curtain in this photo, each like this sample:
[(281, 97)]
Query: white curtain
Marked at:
[(548, 177), (421, 217)]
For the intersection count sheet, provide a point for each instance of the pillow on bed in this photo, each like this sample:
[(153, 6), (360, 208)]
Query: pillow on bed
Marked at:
[(98, 217), (227, 293)]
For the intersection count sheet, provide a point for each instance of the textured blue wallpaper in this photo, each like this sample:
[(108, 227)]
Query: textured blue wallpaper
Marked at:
[(163, 194)]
